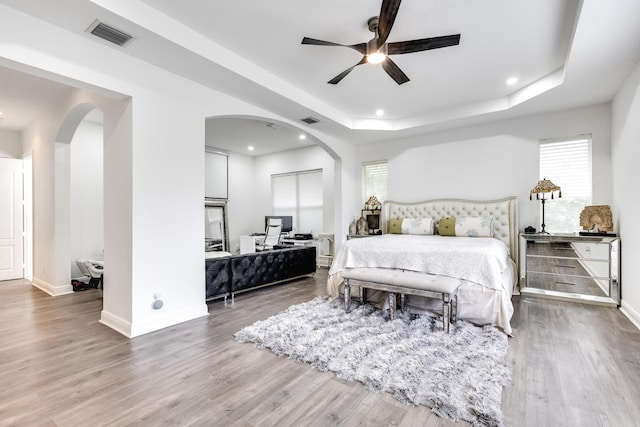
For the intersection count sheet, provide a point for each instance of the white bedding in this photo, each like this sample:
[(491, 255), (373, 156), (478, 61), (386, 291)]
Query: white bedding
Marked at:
[(477, 259), (483, 265)]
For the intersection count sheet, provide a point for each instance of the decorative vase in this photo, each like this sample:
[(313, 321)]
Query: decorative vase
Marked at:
[(353, 228)]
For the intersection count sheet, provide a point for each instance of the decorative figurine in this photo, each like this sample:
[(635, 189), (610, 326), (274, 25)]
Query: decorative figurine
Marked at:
[(597, 219), (363, 228), (353, 228)]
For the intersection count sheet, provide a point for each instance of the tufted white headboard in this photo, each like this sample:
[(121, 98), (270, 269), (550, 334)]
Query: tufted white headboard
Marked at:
[(504, 213)]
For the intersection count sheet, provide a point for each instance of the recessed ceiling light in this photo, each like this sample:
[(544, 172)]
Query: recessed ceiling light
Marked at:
[(379, 112), (250, 148), (512, 80), (302, 136)]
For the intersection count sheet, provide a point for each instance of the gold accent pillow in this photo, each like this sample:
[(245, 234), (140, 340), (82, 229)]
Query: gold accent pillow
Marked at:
[(395, 226), (447, 226)]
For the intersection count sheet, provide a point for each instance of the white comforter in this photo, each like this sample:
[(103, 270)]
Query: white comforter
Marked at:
[(474, 260), (477, 259)]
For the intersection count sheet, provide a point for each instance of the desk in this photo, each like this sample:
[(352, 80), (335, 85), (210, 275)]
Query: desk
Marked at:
[(296, 242)]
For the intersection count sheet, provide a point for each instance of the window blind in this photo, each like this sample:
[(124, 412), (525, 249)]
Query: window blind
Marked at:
[(374, 180), (299, 194), (567, 163)]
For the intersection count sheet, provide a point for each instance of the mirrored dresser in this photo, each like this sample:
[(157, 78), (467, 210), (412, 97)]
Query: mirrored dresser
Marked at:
[(571, 267)]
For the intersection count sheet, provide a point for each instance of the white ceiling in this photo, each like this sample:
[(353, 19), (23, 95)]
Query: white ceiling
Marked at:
[(565, 53)]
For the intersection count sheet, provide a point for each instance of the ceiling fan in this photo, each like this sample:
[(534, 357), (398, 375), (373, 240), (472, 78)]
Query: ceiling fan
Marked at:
[(377, 50)]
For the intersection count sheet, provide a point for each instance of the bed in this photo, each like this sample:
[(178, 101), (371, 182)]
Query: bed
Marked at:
[(483, 254)]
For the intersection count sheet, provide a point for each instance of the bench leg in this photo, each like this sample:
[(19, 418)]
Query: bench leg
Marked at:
[(362, 295), (392, 305), (446, 312), (403, 302), (454, 308), (347, 295)]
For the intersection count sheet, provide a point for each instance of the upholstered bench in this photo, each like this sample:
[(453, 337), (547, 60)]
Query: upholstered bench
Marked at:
[(404, 283), (229, 275)]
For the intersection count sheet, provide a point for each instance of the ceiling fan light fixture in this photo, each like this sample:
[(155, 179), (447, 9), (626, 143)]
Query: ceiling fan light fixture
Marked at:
[(375, 51), (375, 55), (376, 58)]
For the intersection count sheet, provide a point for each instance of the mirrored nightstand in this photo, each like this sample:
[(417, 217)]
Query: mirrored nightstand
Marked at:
[(571, 267)]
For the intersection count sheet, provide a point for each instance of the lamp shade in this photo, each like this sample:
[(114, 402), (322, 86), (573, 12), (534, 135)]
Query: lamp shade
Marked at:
[(544, 186)]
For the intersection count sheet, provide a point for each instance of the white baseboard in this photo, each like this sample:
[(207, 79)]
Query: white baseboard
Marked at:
[(115, 323), (631, 314), (53, 290), (133, 330)]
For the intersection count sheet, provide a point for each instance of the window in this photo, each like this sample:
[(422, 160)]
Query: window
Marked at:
[(567, 163), (374, 180), (299, 194)]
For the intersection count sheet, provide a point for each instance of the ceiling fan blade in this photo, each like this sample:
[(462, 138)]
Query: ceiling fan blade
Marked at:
[(342, 75), (388, 12), (394, 71), (422, 44), (360, 47)]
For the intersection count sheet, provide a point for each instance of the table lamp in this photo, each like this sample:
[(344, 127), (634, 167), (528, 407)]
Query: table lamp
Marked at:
[(544, 187)]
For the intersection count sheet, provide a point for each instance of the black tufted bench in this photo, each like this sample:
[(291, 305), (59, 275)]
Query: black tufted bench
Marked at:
[(239, 273), (218, 277)]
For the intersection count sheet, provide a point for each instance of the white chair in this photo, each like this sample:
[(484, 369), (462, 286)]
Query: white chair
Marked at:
[(93, 270), (272, 236)]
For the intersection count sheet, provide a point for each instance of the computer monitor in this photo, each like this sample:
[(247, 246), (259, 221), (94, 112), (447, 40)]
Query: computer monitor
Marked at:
[(287, 222)]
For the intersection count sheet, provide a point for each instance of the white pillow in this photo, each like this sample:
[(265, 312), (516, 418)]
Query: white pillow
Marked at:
[(417, 226), (474, 226)]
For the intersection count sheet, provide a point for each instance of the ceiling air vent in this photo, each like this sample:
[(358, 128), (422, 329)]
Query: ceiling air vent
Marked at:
[(310, 120), (108, 33)]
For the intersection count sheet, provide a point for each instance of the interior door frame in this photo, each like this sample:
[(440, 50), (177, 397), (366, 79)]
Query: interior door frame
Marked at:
[(13, 242)]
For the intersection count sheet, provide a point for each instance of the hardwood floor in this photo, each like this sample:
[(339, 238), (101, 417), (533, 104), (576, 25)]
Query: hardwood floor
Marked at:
[(573, 365)]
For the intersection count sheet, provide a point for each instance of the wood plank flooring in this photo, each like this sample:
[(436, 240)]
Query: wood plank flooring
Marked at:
[(573, 365)]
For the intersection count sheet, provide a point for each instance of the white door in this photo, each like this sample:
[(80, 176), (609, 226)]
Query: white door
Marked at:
[(11, 220)]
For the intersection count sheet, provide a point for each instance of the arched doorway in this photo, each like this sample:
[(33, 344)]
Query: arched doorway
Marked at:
[(260, 148), (79, 206)]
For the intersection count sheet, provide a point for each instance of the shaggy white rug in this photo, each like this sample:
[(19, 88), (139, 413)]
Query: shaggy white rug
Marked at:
[(458, 375)]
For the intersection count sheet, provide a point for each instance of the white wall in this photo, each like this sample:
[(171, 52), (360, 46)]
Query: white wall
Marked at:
[(626, 176), (477, 169), (62, 223), (492, 161), (86, 194), (10, 144), (242, 195)]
